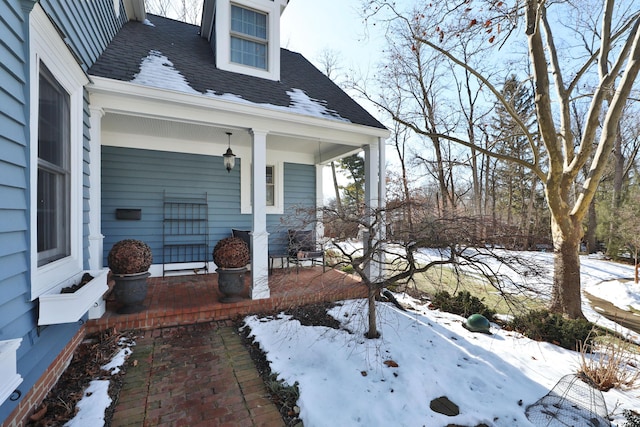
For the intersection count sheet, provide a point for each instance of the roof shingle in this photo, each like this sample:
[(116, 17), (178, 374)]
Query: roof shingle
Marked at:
[(192, 56)]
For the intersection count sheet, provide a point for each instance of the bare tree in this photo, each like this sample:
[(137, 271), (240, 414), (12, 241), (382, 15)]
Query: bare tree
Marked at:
[(184, 10), (399, 254), (602, 77), (629, 229)]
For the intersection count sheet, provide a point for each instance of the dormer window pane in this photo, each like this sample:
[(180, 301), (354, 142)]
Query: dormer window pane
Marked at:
[(249, 37)]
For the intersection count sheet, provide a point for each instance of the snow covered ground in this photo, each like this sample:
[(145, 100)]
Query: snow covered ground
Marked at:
[(347, 380)]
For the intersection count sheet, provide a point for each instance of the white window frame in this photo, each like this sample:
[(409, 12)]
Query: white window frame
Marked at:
[(272, 184), (46, 46), (222, 39), (55, 168), (239, 35), (278, 193)]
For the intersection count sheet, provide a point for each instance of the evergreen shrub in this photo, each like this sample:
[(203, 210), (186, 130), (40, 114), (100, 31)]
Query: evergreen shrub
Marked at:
[(462, 303), (542, 325)]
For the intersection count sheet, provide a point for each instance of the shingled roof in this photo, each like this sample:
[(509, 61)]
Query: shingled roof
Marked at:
[(182, 48)]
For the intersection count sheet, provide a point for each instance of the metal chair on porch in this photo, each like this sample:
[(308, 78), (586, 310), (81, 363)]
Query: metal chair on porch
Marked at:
[(303, 248)]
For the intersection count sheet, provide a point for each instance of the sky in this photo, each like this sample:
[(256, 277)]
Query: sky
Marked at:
[(423, 354), (310, 26)]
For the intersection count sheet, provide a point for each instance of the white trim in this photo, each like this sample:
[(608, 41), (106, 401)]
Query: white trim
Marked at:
[(96, 238), (8, 368), (46, 46), (145, 101)]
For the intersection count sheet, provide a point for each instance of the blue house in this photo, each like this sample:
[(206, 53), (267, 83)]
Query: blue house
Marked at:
[(110, 118)]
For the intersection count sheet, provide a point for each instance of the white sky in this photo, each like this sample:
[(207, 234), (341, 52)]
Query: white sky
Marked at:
[(311, 26)]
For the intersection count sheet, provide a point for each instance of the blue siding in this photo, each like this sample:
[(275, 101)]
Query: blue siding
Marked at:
[(15, 321), (89, 26), (133, 178)]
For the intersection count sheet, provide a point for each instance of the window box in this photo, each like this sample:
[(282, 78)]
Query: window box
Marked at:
[(8, 368), (65, 308)]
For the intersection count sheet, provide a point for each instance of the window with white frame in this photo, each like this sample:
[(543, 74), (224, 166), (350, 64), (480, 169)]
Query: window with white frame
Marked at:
[(249, 40), (274, 190), (271, 186), (56, 152), (53, 239)]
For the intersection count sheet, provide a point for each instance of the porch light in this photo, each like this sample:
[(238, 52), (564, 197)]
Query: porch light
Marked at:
[(228, 157)]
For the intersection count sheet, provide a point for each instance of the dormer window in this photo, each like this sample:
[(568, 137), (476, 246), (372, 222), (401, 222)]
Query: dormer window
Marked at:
[(249, 37), (245, 35)]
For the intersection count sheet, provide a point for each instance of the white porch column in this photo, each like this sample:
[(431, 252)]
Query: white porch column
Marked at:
[(382, 184), (319, 203), (259, 236), (95, 195), (372, 202)]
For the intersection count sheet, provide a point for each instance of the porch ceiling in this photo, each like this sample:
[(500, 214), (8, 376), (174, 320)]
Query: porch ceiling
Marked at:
[(322, 151)]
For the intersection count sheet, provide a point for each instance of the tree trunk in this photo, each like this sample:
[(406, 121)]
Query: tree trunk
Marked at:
[(592, 224), (373, 327), (618, 178), (442, 181), (566, 294), (635, 275)]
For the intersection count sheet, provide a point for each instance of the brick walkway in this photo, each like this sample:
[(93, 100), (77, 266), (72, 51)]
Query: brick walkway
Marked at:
[(194, 375), (191, 366)]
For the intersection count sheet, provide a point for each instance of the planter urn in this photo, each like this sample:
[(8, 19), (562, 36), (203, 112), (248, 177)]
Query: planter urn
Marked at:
[(131, 290), (129, 261), (231, 256)]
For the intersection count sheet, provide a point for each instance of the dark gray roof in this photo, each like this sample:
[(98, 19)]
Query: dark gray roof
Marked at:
[(192, 56)]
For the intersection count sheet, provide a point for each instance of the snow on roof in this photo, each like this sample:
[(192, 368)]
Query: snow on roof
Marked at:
[(169, 54), (156, 70)]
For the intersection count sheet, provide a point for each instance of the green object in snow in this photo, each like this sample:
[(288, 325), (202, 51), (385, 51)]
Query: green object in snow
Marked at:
[(477, 323)]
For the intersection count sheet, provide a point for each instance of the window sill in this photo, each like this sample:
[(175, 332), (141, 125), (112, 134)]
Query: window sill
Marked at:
[(58, 308), (8, 368)]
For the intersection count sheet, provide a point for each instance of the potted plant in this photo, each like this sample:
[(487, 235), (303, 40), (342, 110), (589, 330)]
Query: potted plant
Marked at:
[(129, 261), (231, 256)]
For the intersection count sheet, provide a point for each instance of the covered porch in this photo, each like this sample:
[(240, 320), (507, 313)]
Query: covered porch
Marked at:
[(189, 299), (142, 153)]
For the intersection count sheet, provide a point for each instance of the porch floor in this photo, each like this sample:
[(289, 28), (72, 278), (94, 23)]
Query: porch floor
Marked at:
[(190, 299)]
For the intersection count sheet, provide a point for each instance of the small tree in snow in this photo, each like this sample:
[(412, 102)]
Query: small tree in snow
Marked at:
[(395, 260)]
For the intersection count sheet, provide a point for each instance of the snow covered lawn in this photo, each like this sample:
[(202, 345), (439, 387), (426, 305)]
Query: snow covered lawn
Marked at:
[(344, 381), (347, 380)]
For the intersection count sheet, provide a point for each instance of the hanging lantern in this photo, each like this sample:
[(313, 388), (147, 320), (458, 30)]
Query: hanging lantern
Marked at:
[(228, 157)]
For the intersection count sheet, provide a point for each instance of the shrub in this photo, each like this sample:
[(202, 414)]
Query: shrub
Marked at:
[(612, 365), (463, 304), (282, 393), (348, 268), (542, 325), (129, 256)]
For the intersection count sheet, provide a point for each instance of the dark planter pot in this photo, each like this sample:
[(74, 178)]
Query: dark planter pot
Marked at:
[(231, 283), (130, 290)]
